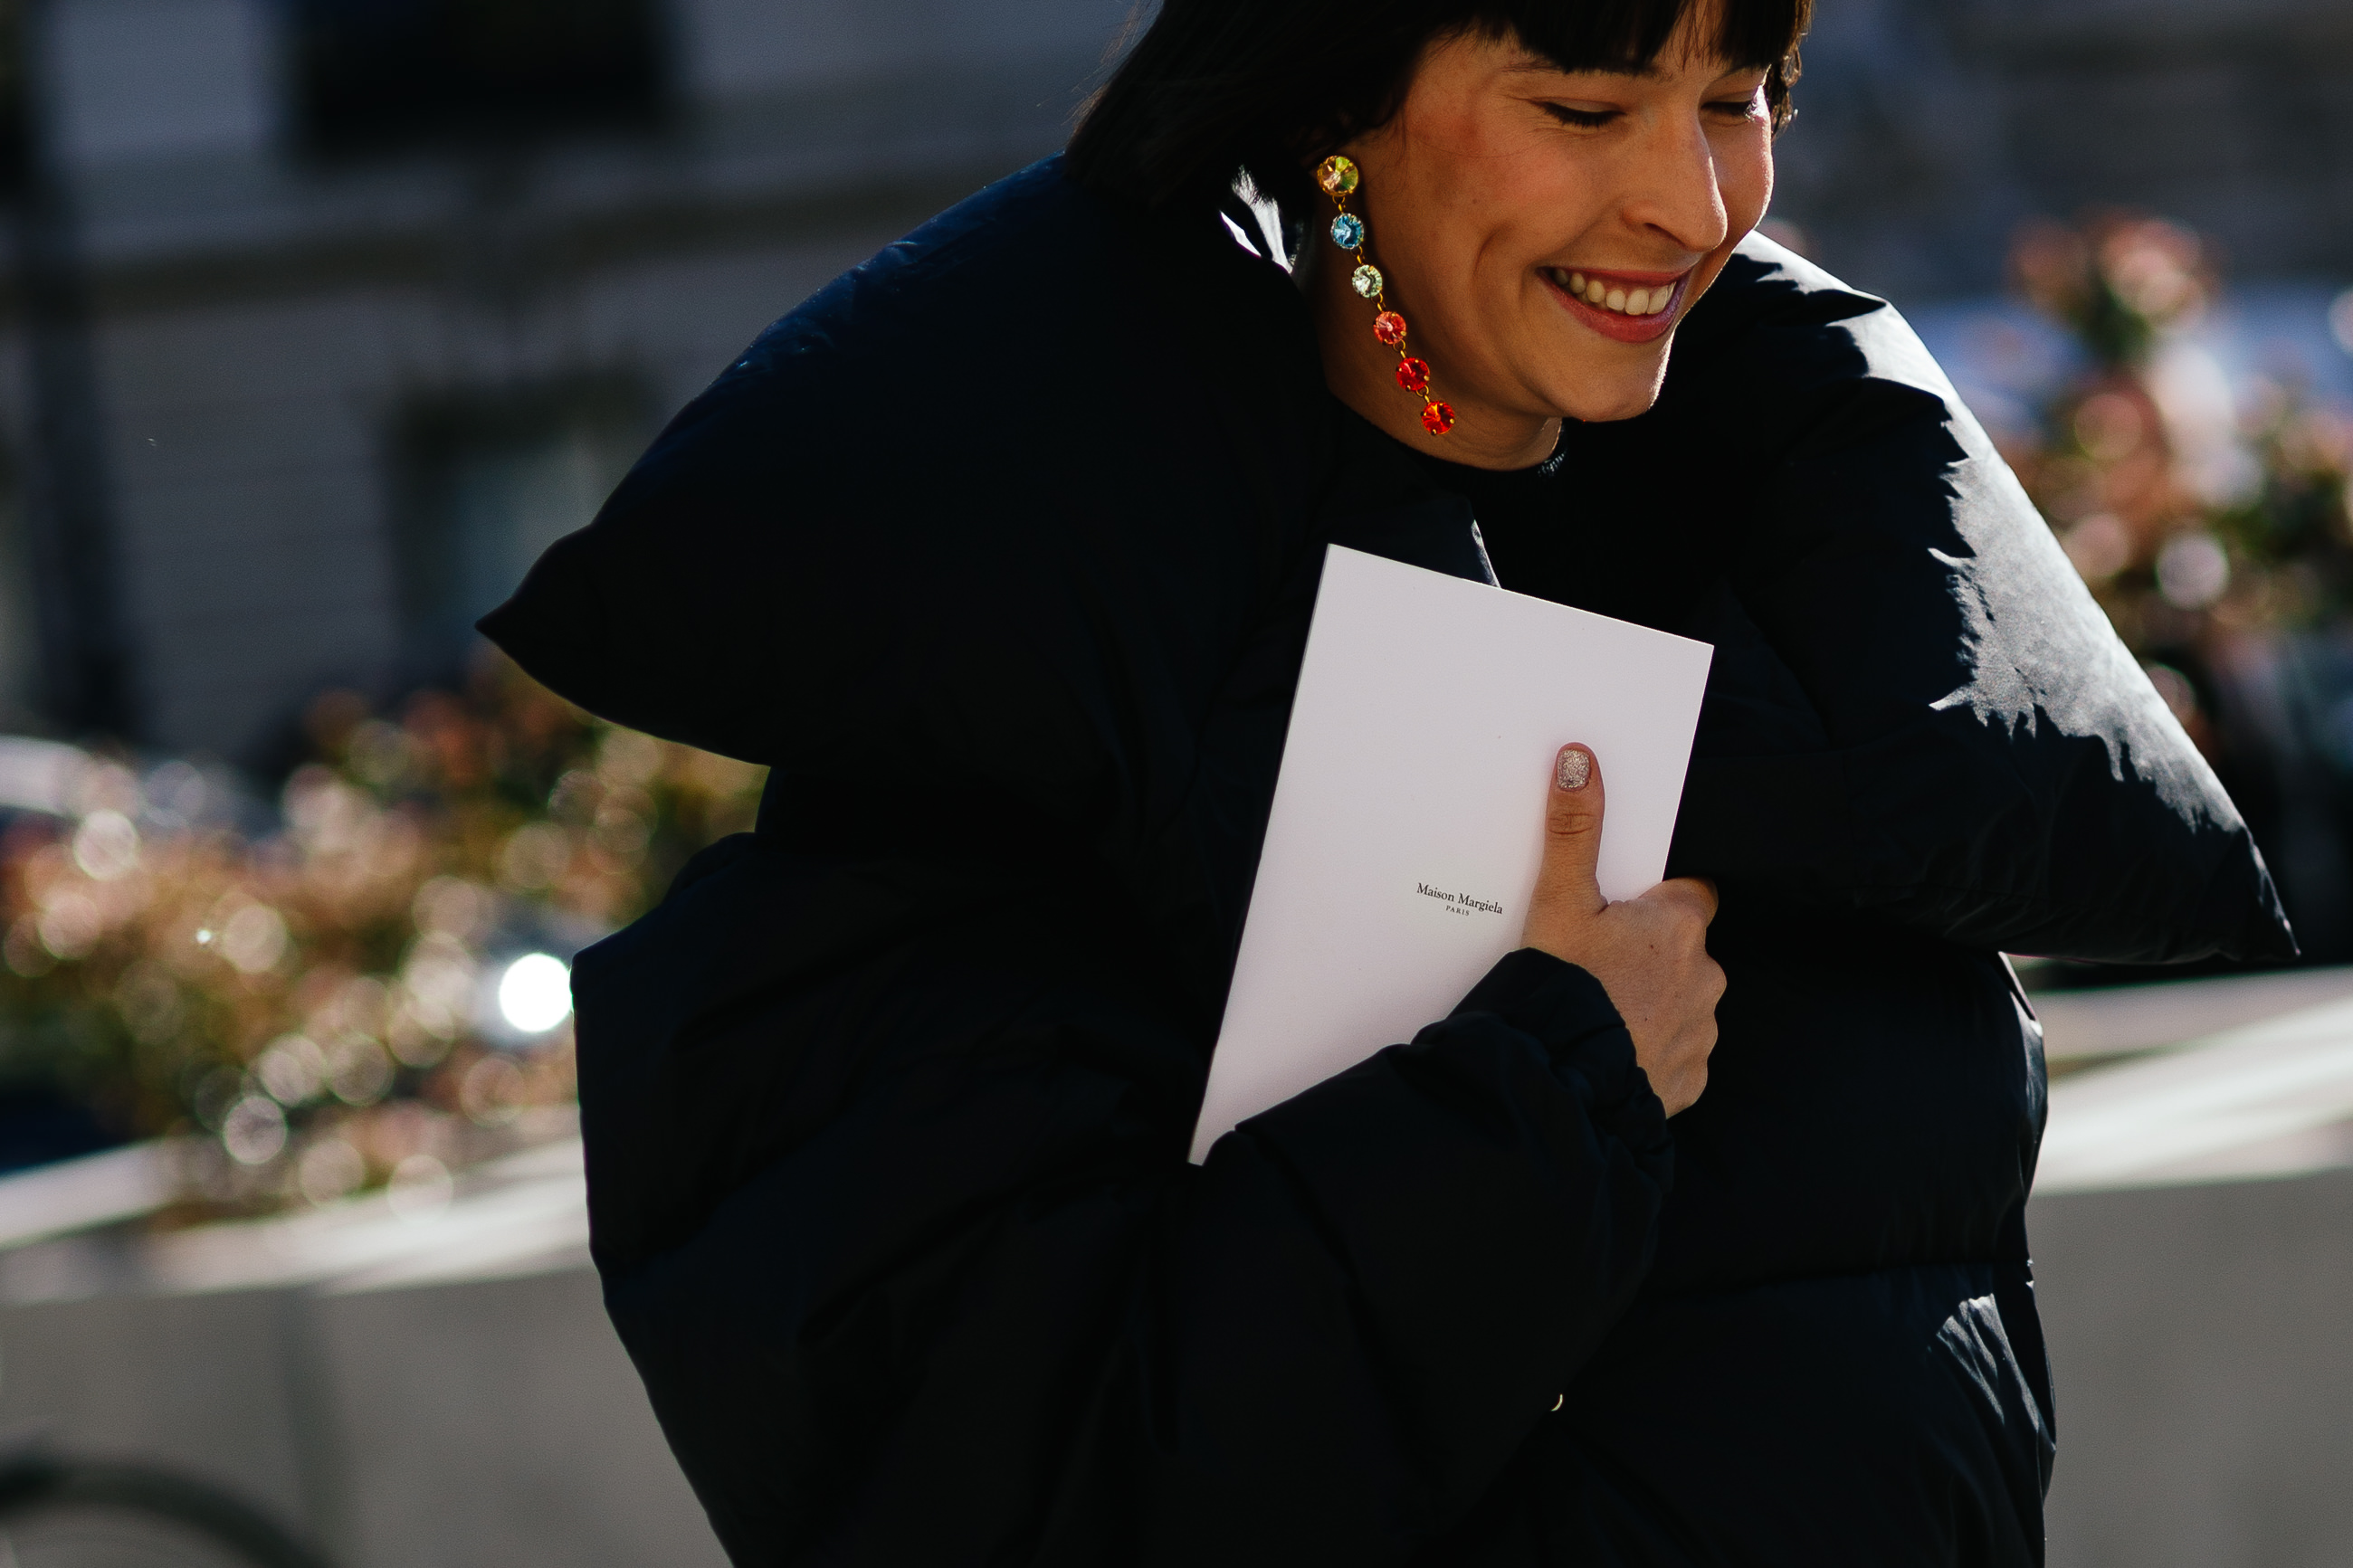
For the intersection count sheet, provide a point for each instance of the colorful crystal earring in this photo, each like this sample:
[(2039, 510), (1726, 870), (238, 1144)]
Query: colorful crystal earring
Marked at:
[(1338, 177)]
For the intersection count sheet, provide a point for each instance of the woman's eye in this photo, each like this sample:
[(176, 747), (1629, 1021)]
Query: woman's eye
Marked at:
[(1590, 119), (1740, 108)]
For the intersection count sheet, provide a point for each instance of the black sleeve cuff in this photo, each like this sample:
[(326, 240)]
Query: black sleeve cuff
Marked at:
[(1548, 998), (1566, 1009)]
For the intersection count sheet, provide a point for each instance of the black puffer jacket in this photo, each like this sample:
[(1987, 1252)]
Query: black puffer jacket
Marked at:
[(1001, 549)]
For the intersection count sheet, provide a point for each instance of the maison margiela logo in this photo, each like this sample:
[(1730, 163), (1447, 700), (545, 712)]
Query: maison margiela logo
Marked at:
[(1459, 903)]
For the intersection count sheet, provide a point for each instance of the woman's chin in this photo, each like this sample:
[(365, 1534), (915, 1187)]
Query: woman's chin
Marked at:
[(1605, 402), (1580, 377)]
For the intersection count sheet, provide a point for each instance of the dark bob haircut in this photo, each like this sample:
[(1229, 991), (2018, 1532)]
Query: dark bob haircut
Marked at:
[(1266, 88)]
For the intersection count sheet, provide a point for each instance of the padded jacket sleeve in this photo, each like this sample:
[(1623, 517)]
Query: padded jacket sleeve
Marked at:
[(895, 1218), (1988, 763)]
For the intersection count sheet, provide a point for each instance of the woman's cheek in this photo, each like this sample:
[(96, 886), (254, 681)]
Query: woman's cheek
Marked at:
[(1748, 181)]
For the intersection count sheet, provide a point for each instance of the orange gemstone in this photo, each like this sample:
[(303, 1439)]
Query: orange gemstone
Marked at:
[(1389, 327), (1413, 375), (1437, 419)]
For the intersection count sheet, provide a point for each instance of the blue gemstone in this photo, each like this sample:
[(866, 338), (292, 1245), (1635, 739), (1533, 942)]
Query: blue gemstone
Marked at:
[(1347, 231)]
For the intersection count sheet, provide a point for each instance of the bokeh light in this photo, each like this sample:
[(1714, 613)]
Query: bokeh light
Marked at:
[(535, 993)]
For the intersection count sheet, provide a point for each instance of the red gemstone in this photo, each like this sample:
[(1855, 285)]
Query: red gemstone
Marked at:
[(1437, 419), (1413, 375), (1389, 327)]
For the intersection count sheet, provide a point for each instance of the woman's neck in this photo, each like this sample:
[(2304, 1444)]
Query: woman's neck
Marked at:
[(1362, 372)]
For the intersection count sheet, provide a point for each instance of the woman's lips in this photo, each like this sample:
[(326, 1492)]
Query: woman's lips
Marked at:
[(1633, 307)]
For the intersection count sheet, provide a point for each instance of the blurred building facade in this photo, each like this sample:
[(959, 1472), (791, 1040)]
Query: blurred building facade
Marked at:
[(377, 296), (384, 295), (1928, 129)]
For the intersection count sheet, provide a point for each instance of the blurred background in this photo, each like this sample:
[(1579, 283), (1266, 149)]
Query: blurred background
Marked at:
[(319, 319)]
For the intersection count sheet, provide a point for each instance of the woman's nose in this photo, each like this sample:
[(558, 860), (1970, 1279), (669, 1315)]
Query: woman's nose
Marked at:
[(1676, 193)]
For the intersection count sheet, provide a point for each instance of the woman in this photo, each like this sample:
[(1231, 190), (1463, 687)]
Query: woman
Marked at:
[(1001, 550)]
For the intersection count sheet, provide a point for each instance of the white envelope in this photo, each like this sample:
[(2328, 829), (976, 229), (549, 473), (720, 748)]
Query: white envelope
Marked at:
[(1408, 817)]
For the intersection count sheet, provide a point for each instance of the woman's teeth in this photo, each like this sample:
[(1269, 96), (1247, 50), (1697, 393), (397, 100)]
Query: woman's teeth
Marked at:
[(1626, 302)]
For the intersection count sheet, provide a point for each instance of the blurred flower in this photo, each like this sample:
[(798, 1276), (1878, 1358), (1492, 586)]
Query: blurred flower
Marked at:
[(358, 1070), (438, 981), (378, 754), (254, 1131), (2205, 515), (2180, 697), (2192, 570), (292, 1069), (2118, 280), (534, 857), (176, 794), (453, 907), (2100, 546), (213, 1094), (318, 1003), (150, 1003), (493, 1090), (71, 925), (106, 846), (2153, 267), (253, 938), (328, 1169), (106, 787), (2110, 427), (421, 1187)]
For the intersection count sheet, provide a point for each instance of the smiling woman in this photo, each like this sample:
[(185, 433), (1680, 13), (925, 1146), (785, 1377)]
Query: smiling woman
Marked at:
[(1550, 188), (1546, 230), (1675, 1242)]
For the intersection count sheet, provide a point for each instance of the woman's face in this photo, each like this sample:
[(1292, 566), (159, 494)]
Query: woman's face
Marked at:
[(1544, 232)]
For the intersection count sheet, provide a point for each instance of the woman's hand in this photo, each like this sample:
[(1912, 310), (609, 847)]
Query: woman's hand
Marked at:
[(1650, 953)]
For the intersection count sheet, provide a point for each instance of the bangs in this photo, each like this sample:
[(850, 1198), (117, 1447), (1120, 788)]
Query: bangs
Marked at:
[(1266, 88), (1622, 35)]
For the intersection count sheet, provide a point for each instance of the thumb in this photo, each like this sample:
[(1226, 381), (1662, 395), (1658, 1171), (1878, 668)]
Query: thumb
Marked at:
[(1572, 835)]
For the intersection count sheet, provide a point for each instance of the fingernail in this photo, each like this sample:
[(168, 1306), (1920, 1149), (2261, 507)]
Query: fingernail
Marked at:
[(1573, 770)]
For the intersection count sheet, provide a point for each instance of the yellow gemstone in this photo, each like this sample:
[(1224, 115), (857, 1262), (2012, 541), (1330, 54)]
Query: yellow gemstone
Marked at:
[(1337, 176), (1366, 279)]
